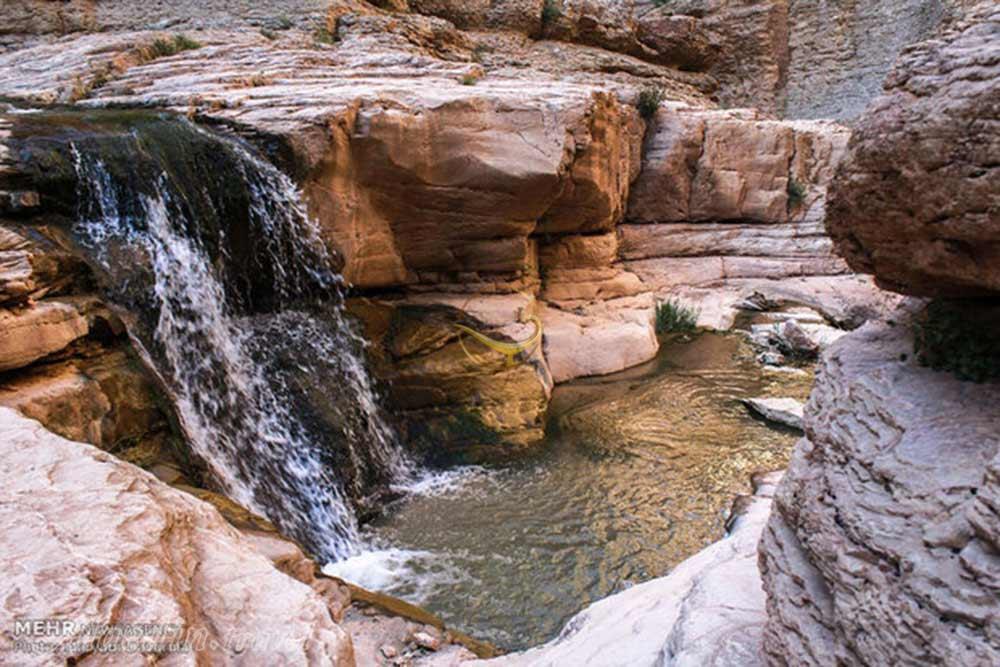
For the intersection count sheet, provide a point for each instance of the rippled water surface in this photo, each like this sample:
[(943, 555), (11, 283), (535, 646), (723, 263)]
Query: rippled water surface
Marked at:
[(638, 472)]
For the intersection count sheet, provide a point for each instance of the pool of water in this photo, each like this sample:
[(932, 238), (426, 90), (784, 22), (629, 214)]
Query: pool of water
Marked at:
[(637, 473)]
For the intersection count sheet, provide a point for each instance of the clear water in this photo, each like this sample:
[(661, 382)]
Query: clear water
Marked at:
[(638, 473)]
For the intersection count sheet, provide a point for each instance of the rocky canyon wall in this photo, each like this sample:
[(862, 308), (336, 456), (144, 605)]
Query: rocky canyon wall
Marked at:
[(840, 51), (882, 546), (488, 176), (65, 357)]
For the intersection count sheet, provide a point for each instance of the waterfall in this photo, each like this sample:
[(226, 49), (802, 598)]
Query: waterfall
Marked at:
[(239, 308)]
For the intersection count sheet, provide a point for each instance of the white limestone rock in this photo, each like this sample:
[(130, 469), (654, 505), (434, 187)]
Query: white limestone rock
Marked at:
[(787, 411), (88, 538)]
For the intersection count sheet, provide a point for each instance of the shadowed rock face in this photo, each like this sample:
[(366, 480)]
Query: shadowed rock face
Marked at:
[(917, 203)]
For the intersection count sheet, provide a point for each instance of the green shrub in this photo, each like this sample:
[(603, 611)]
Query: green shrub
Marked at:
[(323, 35), (649, 101), (551, 11), (163, 47), (674, 317), (947, 339), (469, 79), (796, 194)]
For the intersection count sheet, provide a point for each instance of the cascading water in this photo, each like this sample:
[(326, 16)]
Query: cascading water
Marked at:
[(239, 309)]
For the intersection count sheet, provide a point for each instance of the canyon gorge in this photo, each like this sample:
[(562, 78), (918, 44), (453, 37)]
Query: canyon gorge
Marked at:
[(502, 332)]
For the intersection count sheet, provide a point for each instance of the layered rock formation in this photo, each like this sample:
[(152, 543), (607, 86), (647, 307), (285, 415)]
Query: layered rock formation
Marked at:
[(882, 546), (64, 356), (472, 169)]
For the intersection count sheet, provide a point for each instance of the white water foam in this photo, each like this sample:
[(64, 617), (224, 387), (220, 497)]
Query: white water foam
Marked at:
[(410, 574)]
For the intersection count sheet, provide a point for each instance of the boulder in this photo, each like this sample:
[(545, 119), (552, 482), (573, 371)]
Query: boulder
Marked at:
[(458, 399), (929, 223), (601, 338), (92, 540), (882, 547)]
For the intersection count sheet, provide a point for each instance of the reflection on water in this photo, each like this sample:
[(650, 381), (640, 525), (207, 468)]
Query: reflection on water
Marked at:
[(638, 473)]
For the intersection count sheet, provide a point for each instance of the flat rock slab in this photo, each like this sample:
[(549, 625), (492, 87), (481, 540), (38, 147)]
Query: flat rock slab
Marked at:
[(786, 411)]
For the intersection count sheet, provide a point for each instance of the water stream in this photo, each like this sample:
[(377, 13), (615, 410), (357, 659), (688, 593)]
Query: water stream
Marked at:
[(239, 310), (235, 301)]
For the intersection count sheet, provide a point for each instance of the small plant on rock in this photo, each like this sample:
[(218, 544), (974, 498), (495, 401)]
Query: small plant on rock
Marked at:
[(796, 194), (163, 47), (551, 10), (947, 339), (674, 317), (469, 79), (649, 101), (324, 35)]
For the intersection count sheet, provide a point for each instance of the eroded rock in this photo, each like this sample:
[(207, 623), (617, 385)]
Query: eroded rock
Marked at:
[(785, 411), (882, 545), (30, 333)]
